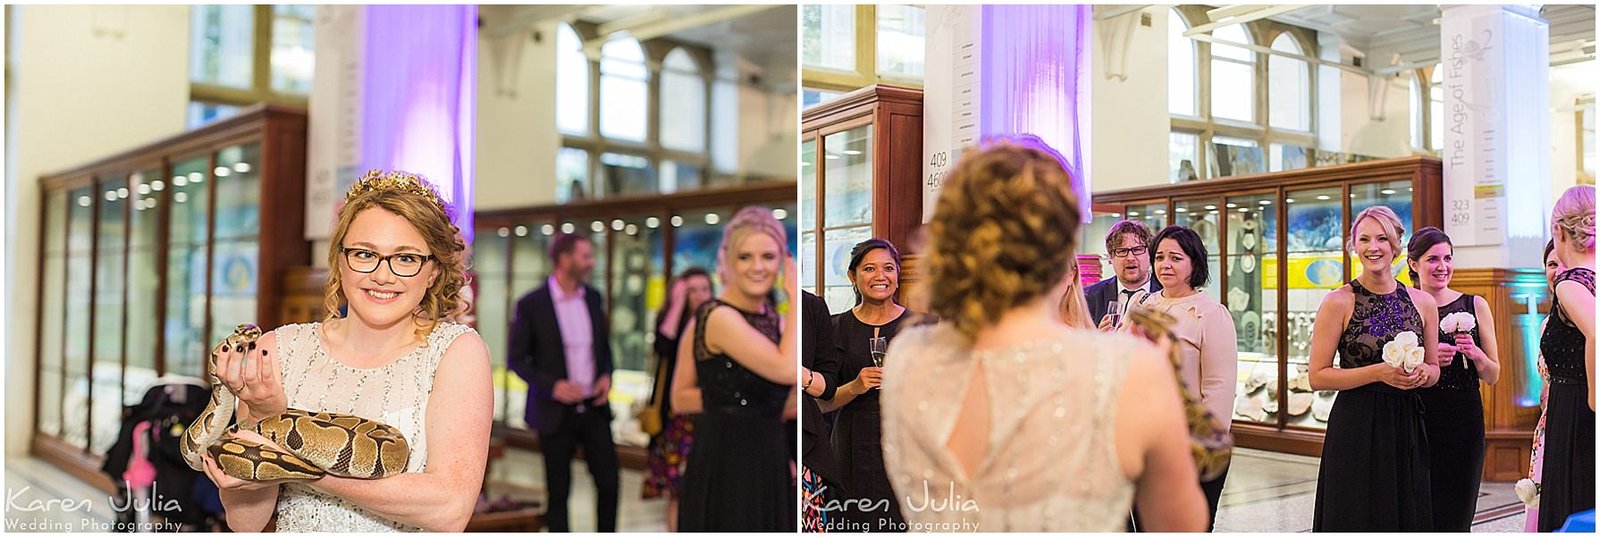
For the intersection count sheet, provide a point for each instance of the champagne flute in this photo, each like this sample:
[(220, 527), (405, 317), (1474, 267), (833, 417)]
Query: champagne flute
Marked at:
[(878, 346), (1114, 309)]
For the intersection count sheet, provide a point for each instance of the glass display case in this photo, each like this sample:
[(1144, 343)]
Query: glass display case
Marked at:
[(639, 244), (150, 257), (860, 177), (1275, 244)]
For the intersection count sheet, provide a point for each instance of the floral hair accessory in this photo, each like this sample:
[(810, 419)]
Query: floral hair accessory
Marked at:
[(379, 180)]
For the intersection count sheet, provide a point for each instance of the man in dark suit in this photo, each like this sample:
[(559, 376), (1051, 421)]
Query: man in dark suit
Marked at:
[(560, 346), (1128, 246)]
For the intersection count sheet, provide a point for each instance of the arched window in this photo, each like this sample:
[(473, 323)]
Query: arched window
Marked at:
[(572, 83), (683, 103), (1418, 102), (1233, 75), (1288, 87), (1180, 68), (1436, 109), (624, 90)]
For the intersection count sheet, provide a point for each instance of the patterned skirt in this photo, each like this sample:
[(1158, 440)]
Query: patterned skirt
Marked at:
[(668, 455), (814, 519)]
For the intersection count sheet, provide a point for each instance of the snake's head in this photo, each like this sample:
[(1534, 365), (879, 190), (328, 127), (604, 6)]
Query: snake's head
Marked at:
[(249, 330)]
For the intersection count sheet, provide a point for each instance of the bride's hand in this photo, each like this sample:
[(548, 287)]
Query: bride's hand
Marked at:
[(251, 373)]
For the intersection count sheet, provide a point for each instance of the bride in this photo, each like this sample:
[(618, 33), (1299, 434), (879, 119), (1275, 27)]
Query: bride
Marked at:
[(1004, 419)]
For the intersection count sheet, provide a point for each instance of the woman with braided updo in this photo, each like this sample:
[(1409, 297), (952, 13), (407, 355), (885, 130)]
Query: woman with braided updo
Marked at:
[(1568, 347), (1003, 409), (397, 262)]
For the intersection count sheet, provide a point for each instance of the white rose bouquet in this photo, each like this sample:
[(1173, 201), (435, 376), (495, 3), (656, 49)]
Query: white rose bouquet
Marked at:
[(1403, 352), (1459, 324)]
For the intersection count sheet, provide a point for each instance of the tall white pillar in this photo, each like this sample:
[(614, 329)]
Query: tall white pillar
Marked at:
[(1496, 76), (998, 70)]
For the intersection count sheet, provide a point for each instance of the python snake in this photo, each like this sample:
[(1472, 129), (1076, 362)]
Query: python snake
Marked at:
[(1209, 443), (315, 443)]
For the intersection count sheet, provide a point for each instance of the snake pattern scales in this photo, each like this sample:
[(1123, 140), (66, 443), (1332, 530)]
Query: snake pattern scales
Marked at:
[(316, 443), (1209, 443)]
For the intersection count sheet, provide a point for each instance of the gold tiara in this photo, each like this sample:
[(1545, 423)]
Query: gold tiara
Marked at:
[(379, 180)]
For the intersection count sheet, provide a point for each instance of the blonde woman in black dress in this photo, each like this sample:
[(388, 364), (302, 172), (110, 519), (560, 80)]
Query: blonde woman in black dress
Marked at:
[(1374, 473), (1568, 346), (738, 372)]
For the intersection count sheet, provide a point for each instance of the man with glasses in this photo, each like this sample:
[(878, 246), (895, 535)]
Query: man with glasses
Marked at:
[(1128, 244), (560, 345)]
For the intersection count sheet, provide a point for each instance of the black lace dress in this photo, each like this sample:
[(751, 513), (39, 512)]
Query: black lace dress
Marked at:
[(1374, 473), (738, 476), (1455, 431), (1569, 423)]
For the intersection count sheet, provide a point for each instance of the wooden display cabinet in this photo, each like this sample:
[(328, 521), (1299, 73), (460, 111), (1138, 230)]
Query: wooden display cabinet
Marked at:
[(860, 178), (150, 257)]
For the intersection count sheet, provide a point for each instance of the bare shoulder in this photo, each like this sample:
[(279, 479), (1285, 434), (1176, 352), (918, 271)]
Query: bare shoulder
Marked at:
[(467, 346), (1421, 298), (720, 315), (1145, 361), (1339, 300), (1480, 305)]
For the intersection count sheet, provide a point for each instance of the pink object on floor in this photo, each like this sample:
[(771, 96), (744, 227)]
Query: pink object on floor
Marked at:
[(140, 472)]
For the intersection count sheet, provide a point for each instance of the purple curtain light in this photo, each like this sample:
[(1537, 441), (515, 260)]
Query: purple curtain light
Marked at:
[(420, 95), (1035, 79)]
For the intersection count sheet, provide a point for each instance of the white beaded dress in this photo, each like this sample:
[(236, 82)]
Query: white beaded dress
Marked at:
[(1051, 463), (395, 393)]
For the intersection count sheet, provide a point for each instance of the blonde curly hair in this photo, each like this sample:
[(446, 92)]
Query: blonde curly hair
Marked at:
[(429, 215), (1004, 231), (1573, 216)]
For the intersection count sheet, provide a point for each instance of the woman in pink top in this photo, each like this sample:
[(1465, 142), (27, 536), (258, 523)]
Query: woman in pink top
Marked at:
[(1206, 337)]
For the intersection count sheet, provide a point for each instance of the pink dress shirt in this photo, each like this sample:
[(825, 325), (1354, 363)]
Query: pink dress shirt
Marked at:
[(577, 334)]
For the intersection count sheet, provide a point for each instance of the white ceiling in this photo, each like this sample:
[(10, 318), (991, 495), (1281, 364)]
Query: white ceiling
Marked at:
[(1412, 31)]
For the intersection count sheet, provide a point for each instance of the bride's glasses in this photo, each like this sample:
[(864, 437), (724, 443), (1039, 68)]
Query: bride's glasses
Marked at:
[(404, 264)]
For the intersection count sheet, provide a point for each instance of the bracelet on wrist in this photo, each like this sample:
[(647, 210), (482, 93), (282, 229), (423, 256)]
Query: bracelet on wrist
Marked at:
[(810, 377)]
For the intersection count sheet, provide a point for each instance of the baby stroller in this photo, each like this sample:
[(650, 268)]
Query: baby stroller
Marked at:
[(153, 481)]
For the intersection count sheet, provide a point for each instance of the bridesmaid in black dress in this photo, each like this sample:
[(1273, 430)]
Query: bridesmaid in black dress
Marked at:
[(1568, 346), (1454, 407), (1374, 472), (739, 477), (874, 270)]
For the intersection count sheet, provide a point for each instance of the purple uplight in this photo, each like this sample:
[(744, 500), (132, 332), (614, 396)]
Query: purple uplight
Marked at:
[(1035, 80), (419, 97)]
